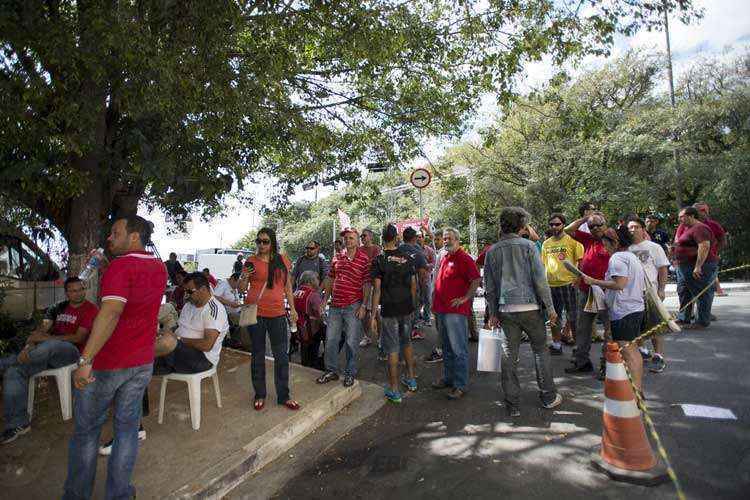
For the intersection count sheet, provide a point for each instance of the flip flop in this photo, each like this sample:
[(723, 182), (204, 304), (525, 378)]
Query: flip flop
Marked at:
[(292, 404), (258, 404)]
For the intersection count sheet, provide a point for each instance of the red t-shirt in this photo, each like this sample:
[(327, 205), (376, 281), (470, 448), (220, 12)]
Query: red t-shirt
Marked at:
[(686, 240), (349, 276), (138, 279), (595, 258), (457, 271), (483, 255), (70, 319), (211, 280)]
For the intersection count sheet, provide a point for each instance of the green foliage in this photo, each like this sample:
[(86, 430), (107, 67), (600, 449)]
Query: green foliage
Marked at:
[(107, 104)]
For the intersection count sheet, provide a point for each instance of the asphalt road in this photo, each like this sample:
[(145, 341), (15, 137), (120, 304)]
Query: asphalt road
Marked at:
[(429, 447)]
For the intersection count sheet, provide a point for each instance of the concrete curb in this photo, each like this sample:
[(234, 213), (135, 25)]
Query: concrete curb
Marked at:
[(224, 476)]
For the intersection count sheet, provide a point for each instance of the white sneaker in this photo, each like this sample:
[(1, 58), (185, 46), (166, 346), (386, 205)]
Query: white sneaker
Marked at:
[(557, 401), (365, 341), (106, 448)]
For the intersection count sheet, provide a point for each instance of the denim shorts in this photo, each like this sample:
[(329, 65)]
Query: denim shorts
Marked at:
[(396, 333), (628, 327)]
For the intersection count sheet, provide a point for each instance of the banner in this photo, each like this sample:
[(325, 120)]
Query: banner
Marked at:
[(417, 224)]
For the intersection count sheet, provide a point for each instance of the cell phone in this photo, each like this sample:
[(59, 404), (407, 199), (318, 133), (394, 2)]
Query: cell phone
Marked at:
[(250, 266)]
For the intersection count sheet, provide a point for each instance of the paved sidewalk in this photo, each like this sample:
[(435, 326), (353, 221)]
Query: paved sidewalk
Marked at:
[(175, 461)]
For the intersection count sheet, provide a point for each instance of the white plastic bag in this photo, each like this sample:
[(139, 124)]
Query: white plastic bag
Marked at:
[(489, 353)]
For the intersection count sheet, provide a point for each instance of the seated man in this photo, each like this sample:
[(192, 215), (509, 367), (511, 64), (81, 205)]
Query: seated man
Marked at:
[(228, 294), (56, 343), (196, 345)]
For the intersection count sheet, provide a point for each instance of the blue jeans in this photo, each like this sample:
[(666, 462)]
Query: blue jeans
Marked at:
[(277, 333), (454, 330), (122, 389), (45, 355), (688, 287), (340, 318), (425, 311)]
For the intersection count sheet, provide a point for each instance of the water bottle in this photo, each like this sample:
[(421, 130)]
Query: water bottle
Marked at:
[(92, 265)]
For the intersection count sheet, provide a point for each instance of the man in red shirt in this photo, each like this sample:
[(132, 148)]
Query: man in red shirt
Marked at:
[(594, 263), (719, 233), (695, 251), (54, 344), (457, 281), (117, 362), (349, 290)]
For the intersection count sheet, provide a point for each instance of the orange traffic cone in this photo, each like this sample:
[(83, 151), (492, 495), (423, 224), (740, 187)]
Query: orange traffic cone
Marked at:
[(625, 453)]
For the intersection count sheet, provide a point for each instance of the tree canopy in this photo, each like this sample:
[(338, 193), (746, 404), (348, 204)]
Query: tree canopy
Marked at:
[(107, 104)]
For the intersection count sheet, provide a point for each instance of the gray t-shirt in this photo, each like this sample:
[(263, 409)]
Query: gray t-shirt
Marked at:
[(416, 253), (630, 299), (318, 265)]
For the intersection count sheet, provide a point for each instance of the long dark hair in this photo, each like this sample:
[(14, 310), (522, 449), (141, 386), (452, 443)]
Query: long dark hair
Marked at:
[(275, 262)]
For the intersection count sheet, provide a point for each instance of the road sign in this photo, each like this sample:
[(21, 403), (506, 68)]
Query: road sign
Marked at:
[(420, 178)]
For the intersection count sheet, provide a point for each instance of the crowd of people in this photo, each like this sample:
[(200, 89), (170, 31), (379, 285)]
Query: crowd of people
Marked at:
[(584, 272)]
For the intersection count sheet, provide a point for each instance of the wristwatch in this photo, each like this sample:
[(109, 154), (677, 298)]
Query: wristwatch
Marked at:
[(83, 361)]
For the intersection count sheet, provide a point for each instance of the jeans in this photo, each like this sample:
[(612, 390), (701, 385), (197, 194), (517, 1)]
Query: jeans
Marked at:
[(340, 318), (123, 390), (45, 355), (531, 322), (454, 330), (276, 329), (688, 287), (585, 322), (425, 312)]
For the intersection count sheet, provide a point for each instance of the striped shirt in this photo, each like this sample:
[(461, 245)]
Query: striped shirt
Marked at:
[(349, 275)]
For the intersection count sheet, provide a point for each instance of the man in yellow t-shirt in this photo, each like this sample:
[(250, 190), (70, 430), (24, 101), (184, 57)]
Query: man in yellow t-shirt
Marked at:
[(555, 251)]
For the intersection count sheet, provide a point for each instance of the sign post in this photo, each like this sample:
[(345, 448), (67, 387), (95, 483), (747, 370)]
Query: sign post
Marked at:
[(420, 178)]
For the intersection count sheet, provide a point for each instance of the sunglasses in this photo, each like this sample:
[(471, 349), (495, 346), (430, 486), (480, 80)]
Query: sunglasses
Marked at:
[(260, 241), (595, 225), (555, 224)]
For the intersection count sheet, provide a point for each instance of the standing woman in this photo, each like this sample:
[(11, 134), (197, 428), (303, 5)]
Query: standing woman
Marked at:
[(624, 285), (267, 279)]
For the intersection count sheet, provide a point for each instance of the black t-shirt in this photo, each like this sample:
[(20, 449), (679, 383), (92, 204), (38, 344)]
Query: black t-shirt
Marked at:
[(662, 238), (395, 270)]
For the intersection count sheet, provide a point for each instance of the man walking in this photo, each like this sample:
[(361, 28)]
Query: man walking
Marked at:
[(556, 250), (457, 281), (515, 287), (424, 288), (696, 256), (410, 247), (56, 343), (311, 260), (656, 268), (349, 291), (395, 290), (117, 362), (372, 250), (594, 264)]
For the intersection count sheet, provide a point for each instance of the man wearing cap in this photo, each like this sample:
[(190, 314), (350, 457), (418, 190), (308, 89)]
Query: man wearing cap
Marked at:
[(349, 291)]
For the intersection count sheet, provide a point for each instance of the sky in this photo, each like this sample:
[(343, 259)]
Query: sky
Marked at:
[(725, 29)]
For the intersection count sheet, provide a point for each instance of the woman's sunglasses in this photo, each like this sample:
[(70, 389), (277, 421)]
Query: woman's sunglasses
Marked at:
[(261, 241)]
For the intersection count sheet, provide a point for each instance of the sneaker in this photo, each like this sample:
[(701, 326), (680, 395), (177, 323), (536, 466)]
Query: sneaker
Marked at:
[(456, 393), (410, 383), (513, 411), (645, 353), (427, 324), (382, 356), (555, 351), (597, 338), (524, 337), (106, 448), (657, 363), (348, 381), (585, 368), (327, 377), (601, 374), (436, 356), (366, 340), (417, 335), (392, 396), (11, 435), (556, 402)]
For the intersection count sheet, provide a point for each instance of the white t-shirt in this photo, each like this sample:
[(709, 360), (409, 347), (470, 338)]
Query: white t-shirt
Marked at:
[(652, 257), (194, 321), (226, 292), (630, 299)]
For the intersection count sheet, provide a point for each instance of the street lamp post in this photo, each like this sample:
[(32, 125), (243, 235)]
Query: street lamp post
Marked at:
[(677, 171)]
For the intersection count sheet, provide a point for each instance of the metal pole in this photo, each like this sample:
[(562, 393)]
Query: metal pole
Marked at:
[(421, 209), (675, 159)]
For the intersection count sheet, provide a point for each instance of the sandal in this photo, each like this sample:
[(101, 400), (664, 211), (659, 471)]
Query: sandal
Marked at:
[(258, 404), (292, 404)]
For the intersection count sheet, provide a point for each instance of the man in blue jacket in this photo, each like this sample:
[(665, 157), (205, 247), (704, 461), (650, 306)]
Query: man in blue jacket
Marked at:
[(515, 287)]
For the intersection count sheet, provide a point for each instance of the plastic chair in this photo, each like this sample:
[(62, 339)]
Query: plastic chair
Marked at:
[(63, 377), (193, 381)]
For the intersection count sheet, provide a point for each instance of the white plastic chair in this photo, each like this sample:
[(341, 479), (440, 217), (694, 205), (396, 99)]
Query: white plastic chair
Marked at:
[(63, 377), (193, 381)]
